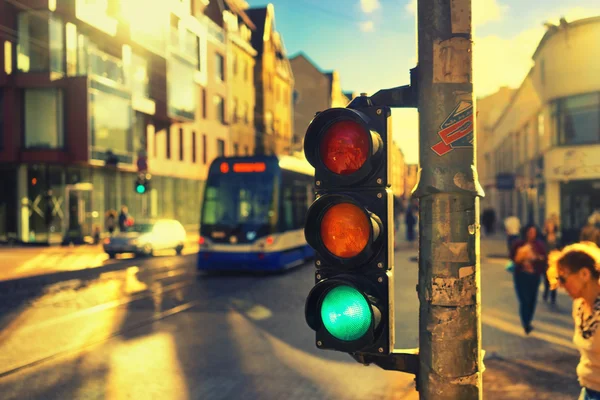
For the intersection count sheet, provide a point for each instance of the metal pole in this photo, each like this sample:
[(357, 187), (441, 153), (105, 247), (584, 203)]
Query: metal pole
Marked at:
[(450, 364)]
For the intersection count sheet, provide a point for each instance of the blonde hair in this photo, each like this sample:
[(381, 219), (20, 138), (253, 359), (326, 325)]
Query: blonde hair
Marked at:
[(576, 256)]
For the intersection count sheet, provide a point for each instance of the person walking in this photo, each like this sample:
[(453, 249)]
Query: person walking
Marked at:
[(410, 222), (590, 232), (577, 270), (512, 227), (551, 234), (530, 259), (124, 219)]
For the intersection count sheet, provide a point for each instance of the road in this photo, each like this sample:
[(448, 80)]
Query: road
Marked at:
[(152, 329)]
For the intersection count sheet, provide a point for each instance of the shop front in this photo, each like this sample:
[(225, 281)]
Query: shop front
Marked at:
[(51, 204), (572, 177)]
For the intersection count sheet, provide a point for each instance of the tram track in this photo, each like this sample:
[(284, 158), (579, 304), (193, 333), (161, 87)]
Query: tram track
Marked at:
[(180, 271)]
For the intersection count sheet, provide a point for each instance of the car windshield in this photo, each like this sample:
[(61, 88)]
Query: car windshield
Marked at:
[(141, 228)]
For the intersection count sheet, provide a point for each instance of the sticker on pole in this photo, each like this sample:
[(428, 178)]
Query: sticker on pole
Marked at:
[(457, 130)]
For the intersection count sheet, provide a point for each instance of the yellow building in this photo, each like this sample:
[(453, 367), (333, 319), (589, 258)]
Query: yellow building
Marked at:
[(314, 90), (410, 179), (489, 109), (398, 171), (548, 136), (274, 83), (240, 67)]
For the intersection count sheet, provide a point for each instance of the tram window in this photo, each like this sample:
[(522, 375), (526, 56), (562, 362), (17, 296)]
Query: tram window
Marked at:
[(288, 209), (238, 200)]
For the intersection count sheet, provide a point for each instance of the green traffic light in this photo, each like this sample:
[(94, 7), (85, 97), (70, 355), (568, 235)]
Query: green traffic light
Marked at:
[(346, 313), (141, 189)]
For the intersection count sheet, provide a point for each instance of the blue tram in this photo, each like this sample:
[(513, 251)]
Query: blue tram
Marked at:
[(253, 214)]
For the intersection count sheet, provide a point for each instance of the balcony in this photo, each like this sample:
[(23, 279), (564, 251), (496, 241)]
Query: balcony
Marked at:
[(106, 68), (185, 44)]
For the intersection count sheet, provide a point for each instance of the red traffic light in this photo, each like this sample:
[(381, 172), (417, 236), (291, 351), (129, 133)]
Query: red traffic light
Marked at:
[(345, 147)]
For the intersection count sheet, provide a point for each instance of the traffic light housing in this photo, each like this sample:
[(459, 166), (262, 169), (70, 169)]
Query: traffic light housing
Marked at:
[(142, 184), (350, 226)]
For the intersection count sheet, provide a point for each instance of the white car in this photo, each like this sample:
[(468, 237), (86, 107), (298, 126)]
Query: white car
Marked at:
[(143, 238)]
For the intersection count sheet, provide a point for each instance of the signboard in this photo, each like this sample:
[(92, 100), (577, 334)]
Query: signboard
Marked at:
[(505, 181)]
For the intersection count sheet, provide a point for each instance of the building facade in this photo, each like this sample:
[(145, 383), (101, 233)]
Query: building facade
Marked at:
[(89, 94), (314, 90), (398, 171), (273, 83), (411, 173), (548, 136), (240, 66)]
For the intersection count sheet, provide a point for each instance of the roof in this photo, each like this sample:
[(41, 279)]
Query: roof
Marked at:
[(302, 54), (552, 29), (258, 17), (238, 8)]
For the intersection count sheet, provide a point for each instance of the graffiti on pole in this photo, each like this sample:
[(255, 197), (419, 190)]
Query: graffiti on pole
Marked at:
[(457, 129)]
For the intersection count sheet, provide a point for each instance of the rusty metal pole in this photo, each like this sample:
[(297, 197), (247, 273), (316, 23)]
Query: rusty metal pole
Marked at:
[(450, 362)]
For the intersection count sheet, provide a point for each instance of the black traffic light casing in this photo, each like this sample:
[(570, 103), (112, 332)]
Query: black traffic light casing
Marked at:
[(142, 184), (368, 187)]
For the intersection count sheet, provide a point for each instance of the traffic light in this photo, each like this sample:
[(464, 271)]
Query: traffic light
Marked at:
[(350, 226), (142, 184)]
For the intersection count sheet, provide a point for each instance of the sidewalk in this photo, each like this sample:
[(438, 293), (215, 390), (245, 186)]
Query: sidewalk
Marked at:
[(22, 261)]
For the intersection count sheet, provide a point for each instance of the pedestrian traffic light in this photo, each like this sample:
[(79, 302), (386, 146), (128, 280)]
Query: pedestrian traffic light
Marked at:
[(350, 226), (142, 184)]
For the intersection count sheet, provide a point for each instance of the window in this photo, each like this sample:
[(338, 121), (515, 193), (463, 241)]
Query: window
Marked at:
[(44, 118), (71, 44), (577, 119), (1, 119), (8, 57), (269, 122), (220, 67), (199, 54), (181, 144), (194, 145), (139, 76), (296, 97), (219, 103), (40, 45), (204, 158), (168, 144), (204, 103), (111, 121), (246, 150), (181, 94), (220, 148), (234, 112), (236, 149), (234, 62)]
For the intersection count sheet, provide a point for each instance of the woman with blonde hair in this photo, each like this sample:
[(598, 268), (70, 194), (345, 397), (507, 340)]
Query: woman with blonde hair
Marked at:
[(577, 269)]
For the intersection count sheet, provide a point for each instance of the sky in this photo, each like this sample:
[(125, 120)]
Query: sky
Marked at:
[(372, 43)]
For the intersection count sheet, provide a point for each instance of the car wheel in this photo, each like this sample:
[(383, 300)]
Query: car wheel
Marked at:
[(179, 249), (112, 255), (148, 250)]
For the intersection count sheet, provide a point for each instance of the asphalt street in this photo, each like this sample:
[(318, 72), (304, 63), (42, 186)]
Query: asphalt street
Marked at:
[(152, 329)]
